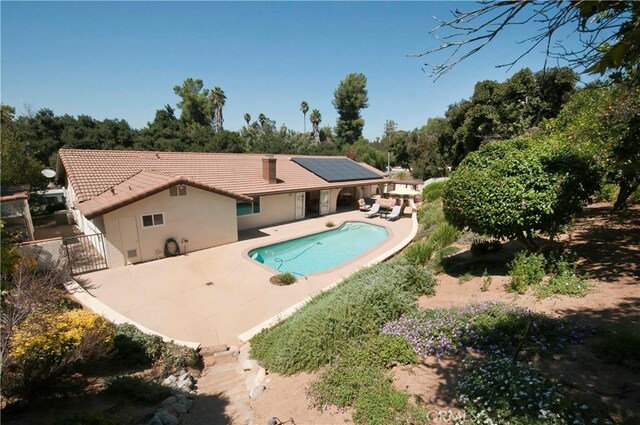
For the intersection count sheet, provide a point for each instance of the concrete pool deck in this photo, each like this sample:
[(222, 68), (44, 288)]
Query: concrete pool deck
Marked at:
[(214, 295)]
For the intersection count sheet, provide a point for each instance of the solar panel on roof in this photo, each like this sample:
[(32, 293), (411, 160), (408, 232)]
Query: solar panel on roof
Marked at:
[(336, 169)]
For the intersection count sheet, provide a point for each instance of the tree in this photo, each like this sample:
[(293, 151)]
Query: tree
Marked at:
[(316, 119), (517, 188), (304, 107), (195, 103), (349, 98), (608, 33), (218, 100), (427, 149), (247, 118), (18, 167)]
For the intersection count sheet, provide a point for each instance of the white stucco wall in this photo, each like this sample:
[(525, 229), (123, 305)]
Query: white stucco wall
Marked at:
[(204, 218), (274, 209)]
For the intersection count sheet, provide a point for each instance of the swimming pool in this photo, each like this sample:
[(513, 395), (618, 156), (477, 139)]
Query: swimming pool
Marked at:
[(321, 251)]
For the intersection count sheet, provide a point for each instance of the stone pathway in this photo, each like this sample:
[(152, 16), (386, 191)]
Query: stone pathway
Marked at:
[(222, 393)]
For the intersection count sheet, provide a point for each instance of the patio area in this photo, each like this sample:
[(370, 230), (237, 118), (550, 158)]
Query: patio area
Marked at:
[(212, 296)]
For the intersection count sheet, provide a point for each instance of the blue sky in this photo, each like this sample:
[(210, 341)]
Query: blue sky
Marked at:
[(121, 60)]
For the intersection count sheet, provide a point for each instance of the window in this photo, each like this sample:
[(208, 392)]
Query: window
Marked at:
[(246, 208), (151, 220), (179, 190)]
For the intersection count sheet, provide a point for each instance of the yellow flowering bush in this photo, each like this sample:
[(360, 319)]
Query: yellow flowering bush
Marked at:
[(46, 342)]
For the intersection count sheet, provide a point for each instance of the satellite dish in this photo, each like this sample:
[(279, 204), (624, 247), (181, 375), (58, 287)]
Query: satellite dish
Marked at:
[(48, 173)]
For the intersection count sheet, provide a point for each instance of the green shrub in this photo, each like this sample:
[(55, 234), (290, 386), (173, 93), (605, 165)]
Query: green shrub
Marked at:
[(136, 347), (358, 379), (526, 270), (433, 191), (430, 214), (444, 234), (354, 310), (607, 193), (564, 279), (175, 356), (137, 389), (329, 224), (481, 246), (499, 390), (635, 197), (486, 281), (622, 347), (285, 279), (467, 277), (514, 189), (419, 253)]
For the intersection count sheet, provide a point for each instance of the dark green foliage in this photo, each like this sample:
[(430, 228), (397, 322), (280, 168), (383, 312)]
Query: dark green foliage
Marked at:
[(481, 246), (137, 389), (285, 278), (443, 234), (430, 214), (87, 418), (607, 193), (516, 188), (136, 347), (354, 310), (419, 253), (564, 279), (433, 191), (526, 270), (349, 98), (621, 346)]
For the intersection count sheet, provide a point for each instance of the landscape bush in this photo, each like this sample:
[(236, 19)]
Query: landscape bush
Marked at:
[(443, 234), (358, 379), (486, 327), (433, 191), (430, 214), (526, 270), (498, 390), (133, 346), (47, 343), (564, 280), (419, 253), (137, 389), (483, 246), (514, 189), (285, 279), (607, 193), (620, 346), (354, 310)]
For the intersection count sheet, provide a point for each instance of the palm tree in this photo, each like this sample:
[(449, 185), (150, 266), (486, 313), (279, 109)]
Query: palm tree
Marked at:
[(304, 107), (218, 99), (247, 118), (262, 119), (316, 119)]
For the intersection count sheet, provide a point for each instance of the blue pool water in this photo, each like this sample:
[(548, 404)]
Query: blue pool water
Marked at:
[(321, 251)]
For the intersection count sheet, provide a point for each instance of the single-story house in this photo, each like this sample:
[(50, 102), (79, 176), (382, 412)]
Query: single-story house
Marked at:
[(140, 200), (14, 210)]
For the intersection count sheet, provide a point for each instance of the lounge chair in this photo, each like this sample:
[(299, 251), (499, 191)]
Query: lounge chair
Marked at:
[(363, 205), (395, 213), (374, 212)]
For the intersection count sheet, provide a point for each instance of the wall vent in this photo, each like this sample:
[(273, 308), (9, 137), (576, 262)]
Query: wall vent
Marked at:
[(132, 253), (182, 189), (173, 191)]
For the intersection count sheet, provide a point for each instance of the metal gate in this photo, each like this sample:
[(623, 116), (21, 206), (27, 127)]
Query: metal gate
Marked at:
[(85, 253)]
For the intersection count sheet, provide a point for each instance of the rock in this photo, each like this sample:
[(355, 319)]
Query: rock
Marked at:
[(244, 353), (209, 351), (166, 418), (257, 391), (225, 354), (188, 404), (181, 372), (169, 381), (179, 408), (247, 365), (169, 401), (184, 375), (155, 420), (261, 376), (192, 394)]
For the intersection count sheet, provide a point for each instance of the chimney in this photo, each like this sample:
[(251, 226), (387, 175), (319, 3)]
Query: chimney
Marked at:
[(269, 169)]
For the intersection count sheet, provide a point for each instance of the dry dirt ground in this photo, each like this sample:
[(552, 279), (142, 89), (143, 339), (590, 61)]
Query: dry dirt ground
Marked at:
[(609, 249)]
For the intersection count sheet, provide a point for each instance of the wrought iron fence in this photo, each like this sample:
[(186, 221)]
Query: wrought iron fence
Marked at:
[(85, 253)]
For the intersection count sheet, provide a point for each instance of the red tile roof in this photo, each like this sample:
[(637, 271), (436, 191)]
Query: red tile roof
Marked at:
[(136, 174)]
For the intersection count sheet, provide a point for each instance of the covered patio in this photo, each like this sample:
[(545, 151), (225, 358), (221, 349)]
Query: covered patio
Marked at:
[(213, 295)]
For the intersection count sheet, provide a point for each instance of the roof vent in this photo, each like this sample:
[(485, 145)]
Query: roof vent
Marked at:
[(269, 169)]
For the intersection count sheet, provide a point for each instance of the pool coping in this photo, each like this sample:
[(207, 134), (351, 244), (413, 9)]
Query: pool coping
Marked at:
[(390, 234), (250, 333)]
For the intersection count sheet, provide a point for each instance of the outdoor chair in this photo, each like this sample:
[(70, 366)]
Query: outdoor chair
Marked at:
[(395, 213), (374, 212), (363, 205)]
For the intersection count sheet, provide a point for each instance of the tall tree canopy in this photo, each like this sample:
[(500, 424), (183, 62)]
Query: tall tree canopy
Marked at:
[(349, 98), (195, 104), (18, 167), (607, 32)]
